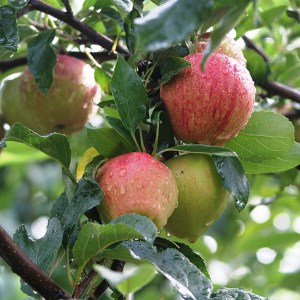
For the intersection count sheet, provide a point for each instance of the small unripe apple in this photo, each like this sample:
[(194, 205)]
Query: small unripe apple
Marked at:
[(228, 47), (209, 106), (67, 105), (202, 197), (136, 182)]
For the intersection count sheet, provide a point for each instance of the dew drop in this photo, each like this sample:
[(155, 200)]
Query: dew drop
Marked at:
[(123, 172), (122, 190)]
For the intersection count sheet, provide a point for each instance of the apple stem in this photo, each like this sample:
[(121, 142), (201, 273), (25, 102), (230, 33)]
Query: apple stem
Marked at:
[(156, 139), (141, 139)]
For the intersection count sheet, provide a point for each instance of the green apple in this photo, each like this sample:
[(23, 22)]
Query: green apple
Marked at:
[(202, 197), (66, 107), (136, 182)]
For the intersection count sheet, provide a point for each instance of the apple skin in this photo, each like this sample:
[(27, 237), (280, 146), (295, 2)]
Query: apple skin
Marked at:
[(136, 182), (210, 106), (228, 47), (202, 197), (66, 107)]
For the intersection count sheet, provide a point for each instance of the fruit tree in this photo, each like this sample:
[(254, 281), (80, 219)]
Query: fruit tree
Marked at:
[(149, 149)]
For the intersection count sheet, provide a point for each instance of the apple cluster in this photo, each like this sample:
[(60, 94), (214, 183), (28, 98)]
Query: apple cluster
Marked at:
[(185, 195), (65, 108)]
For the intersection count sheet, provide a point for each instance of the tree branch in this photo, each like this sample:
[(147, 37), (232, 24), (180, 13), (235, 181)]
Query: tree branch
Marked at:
[(29, 271), (70, 19), (273, 88)]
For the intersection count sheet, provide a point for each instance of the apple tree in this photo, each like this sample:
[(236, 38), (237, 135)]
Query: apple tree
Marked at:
[(149, 149)]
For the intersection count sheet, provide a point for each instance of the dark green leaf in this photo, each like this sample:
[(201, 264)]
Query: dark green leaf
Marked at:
[(87, 196), (171, 23), (54, 145), (130, 31), (267, 135), (182, 274), (235, 294), (8, 28), (42, 59), (42, 251), (129, 93), (171, 66), (94, 237), (234, 179), (108, 142), (206, 149), (118, 126)]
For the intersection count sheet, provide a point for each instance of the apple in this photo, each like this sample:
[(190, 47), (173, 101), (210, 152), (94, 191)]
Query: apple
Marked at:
[(202, 197), (228, 47), (67, 105), (136, 182), (209, 106)]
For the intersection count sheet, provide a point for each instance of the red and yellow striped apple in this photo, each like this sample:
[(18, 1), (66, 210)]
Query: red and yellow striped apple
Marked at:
[(209, 106), (136, 182)]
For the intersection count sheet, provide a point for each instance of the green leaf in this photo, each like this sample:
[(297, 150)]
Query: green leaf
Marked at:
[(124, 6), (279, 164), (103, 80), (8, 28), (129, 93), (130, 30), (42, 59), (234, 179), (54, 145), (108, 142), (198, 148), (187, 279), (235, 294), (42, 251), (129, 281), (266, 136), (94, 237), (228, 21), (118, 126), (18, 3), (87, 195), (171, 23), (171, 66)]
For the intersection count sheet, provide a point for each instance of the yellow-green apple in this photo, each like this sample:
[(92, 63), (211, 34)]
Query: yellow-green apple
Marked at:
[(136, 182), (209, 106), (228, 47), (67, 105), (202, 197)]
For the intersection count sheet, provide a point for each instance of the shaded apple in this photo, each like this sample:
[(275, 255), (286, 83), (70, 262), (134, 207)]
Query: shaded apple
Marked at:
[(67, 106), (209, 106), (202, 197), (136, 182), (228, 47)]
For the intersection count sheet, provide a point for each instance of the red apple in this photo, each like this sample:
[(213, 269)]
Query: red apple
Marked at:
[(209, 106), (228, 47), (66, 107), (202, 197), (136, 182)]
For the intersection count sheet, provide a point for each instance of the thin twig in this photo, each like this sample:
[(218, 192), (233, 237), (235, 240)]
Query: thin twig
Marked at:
[(68, 7), (82, 286), (28, 270), (251, 45)]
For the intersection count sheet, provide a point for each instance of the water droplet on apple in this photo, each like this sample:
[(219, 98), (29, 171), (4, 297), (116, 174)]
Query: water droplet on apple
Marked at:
[(123, 172), (122, 190)]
